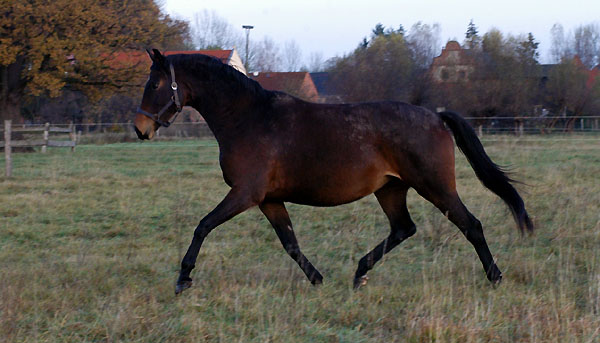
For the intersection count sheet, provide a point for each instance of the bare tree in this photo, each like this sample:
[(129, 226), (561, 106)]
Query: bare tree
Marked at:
[(424, 42), (292, 56), (586, 44), (210, 31), (560, 44), (265, 56), (316, 62)]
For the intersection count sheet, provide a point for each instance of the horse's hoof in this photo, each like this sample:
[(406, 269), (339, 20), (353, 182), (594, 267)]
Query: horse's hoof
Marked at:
[(317, 280), (497, 281), (494, 275), (183, 285), (360, 281)]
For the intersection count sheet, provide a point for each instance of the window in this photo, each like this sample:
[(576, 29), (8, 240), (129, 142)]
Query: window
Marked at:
[(445, 75)]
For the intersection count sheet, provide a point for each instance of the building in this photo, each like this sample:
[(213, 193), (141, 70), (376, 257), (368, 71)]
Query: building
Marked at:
[(299, 84), (132, 58), (328, 93), (230, 57), (454, 64)]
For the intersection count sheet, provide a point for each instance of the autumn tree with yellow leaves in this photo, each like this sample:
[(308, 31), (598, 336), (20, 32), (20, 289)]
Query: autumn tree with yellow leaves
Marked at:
[(49, 46)]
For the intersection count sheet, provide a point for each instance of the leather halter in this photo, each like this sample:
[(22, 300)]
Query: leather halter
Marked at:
[(174, 100)]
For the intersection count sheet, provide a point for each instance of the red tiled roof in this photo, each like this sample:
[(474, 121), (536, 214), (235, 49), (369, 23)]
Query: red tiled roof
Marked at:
[(223, 55), (131, 58), (296, 83)]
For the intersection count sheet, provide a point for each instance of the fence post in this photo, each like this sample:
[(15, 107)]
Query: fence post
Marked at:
[(46, 129), (7, 148), (521, 126), (72, 135)]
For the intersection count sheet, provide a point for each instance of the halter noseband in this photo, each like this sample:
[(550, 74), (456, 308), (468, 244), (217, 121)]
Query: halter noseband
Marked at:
[(174, 100)]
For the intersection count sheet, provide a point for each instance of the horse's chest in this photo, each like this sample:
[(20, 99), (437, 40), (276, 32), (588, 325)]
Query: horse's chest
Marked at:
[(240, 167)]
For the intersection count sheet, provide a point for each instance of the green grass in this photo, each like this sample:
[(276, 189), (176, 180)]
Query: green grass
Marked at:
[(90, 244)]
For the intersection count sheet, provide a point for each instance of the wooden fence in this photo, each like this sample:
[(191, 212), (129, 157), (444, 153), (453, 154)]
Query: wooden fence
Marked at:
[(44, 142)]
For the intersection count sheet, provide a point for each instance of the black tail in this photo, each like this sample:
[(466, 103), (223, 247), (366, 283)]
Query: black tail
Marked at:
[(490, 174)]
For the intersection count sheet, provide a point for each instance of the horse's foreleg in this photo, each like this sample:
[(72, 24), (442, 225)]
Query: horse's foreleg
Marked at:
[(279, 218), (235, 202), (392, 198)]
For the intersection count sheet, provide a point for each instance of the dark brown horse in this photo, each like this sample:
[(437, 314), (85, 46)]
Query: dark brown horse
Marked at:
[(275, 148)]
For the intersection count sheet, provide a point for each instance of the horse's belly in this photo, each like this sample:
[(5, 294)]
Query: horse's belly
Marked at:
[(335, 190)]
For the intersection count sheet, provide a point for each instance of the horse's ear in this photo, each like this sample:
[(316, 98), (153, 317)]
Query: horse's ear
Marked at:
[(158, 57), (150, 54)]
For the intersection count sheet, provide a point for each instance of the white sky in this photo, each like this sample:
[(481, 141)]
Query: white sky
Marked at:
[(336, 27)]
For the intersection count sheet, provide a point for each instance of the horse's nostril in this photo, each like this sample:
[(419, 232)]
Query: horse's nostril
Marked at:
[(139, 134)]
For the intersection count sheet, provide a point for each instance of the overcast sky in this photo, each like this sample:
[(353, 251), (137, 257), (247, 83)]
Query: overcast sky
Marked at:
[(336, 27)]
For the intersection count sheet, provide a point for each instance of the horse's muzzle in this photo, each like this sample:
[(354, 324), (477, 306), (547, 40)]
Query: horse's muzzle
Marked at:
[(140, 135)]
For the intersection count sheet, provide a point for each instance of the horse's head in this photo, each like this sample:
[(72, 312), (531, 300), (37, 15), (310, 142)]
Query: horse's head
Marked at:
[(162, 98)]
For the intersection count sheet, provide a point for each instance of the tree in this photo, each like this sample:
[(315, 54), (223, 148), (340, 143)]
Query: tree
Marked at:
[(210, 31), (48, 46), (424, 42), (265, 56), (380, 71), (379, 30), (571, 91), (560, 46), (507, 69), (586, 44), (315, 62), (472, 39), (292, 56), (527, 51)]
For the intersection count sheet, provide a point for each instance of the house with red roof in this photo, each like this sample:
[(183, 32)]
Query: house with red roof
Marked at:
[(132, 58), (299, 84)]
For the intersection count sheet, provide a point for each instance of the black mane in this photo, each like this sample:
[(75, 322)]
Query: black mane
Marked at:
[(218, 70)]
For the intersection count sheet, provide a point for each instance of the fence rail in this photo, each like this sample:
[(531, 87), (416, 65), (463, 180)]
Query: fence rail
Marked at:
[(45, 142)]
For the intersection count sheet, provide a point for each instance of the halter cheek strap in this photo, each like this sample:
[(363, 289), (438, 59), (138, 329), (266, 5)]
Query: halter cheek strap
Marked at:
[(174, 100)]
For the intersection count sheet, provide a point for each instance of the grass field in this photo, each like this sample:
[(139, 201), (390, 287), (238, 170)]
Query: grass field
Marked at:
[(90, 244)]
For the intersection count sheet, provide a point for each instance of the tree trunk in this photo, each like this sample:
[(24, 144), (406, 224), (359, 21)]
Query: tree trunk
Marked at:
[(10, 92), (11, 112)]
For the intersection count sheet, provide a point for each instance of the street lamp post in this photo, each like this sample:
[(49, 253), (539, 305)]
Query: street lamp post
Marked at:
[(247, 28)]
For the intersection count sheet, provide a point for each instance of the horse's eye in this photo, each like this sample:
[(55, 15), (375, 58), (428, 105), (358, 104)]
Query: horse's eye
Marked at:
[(154, 85)]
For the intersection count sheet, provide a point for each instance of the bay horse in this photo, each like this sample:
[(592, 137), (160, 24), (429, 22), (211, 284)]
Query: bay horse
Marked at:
[(275, 148)]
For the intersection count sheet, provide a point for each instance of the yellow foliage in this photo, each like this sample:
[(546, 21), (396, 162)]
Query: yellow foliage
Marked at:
[(64, 42)]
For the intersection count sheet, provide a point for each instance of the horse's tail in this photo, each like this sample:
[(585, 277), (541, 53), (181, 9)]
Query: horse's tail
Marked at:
[(490, 174)]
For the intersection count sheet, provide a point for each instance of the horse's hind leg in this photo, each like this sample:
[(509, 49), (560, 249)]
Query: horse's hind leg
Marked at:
[(451, 205), (392, 198), (279, 218)]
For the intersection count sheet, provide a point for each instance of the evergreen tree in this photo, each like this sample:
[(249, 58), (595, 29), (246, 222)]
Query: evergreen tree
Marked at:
[(472, 39), (379, 30), (527, 50)]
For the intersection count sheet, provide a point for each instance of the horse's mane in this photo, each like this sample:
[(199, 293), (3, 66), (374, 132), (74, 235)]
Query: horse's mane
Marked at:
[(218, 70)]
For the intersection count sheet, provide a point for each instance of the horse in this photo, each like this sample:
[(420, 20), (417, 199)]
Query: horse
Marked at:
[(276, 148)]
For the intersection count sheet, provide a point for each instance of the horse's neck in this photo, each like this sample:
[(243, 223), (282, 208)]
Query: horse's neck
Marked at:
[(225, 113)]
